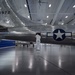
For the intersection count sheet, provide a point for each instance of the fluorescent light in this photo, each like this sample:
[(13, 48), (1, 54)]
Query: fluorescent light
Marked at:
[(73, 6), (28, 16), (25, 5), (22, 23), (45, 23), (66, 16), (50, 5), (7, 21), (47, 16), (62, 23)]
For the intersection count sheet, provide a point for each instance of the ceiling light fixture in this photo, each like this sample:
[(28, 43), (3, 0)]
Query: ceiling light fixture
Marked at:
[(28, 16), (7, 21), (50, 5), (22, 23), (66, 16), (62, 23), (47, 16), (25, 5), (45, 24), (73, 6)]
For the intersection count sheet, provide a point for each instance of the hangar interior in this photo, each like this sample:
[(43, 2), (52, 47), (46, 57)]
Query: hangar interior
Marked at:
[(21, 21)]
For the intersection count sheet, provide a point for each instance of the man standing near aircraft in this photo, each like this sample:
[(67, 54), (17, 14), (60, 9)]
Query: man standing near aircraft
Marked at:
[(38, 40)]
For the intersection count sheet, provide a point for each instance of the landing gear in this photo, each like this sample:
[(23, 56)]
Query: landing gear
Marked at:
[(31, 43), (27, 45)]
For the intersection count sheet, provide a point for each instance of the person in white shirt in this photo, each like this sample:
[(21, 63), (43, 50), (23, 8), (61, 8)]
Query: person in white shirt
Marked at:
[(38, 40)]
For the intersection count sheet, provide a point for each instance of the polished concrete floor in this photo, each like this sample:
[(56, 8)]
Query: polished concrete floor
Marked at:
[(48, 60)]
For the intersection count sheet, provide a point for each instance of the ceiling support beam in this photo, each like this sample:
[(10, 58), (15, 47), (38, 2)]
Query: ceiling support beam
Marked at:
[(28, 9), (57, 12)]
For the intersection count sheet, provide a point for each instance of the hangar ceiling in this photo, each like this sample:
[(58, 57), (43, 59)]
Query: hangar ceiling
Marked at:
[(46, 10), (54, 13)]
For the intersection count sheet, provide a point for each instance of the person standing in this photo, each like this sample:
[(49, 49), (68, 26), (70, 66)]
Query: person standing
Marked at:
[(38, 40)]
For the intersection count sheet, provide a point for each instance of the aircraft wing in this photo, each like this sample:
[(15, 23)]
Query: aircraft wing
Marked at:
[(25, 29)]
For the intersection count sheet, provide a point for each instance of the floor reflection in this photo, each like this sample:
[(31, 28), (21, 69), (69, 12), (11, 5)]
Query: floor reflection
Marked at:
[(49, 60), (59, 62), (30, 62), (15, 62), (6, 59)]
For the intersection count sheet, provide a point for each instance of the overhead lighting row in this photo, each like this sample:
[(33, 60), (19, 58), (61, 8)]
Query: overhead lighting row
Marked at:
[(73, 7), (48, 16), (65, 16), (49, 7), (29, 16), (26, 7)]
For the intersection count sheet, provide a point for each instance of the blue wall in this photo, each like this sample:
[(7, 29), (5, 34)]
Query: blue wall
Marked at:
[(6, 43)]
